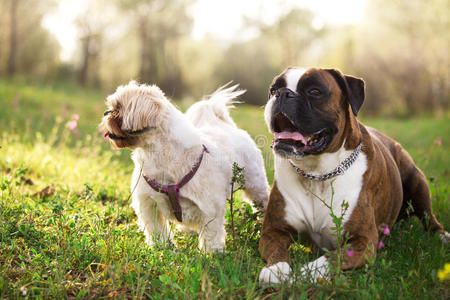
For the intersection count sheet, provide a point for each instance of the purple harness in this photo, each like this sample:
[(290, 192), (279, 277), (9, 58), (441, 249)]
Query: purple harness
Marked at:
[(173, 190)]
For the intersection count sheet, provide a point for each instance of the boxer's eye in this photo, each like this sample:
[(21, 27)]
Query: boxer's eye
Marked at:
[(315, 92)]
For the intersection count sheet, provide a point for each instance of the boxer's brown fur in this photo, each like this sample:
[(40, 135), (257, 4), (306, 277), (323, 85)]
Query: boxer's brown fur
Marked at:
[(390, 182), (276, 235)]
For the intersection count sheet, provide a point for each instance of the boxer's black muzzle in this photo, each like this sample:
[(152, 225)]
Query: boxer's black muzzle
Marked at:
[(301, 125)]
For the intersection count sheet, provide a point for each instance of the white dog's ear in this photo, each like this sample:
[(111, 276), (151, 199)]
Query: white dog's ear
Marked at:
[(150, 112), (144, 108), (137, 106)]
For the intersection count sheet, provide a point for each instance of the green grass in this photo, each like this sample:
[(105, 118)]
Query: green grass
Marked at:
[(67, 230)]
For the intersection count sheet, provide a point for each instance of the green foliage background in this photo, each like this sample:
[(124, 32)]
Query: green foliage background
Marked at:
[(400, 49)]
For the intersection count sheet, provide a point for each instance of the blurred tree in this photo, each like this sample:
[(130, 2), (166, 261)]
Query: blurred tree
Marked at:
[(12, 38), (159, 26), (119, 59), (91, 24), (295, 35), (401, 49), (402, 53), (250, 65), (25, 47), (198, 62), (3, 33), (253, 64)]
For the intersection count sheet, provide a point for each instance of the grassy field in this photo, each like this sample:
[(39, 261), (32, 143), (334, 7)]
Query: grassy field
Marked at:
[(67, 229)]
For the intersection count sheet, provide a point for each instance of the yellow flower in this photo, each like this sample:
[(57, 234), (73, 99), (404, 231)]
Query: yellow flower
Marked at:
[(305, 249), (323, 281), (444, 274)]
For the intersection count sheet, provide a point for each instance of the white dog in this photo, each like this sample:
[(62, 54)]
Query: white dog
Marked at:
[(183, 162)]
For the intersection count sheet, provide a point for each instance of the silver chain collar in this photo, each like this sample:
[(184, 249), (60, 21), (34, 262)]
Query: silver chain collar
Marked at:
[(339, 170)]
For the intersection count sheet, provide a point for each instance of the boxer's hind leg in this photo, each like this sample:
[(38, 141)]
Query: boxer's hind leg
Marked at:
[(415, 190), (417, 194)]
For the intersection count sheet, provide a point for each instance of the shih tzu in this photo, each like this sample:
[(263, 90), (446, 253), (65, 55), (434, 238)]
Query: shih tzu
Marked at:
[(183, 162)]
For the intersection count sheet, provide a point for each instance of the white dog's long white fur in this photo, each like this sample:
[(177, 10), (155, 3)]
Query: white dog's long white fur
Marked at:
[(168, 152)]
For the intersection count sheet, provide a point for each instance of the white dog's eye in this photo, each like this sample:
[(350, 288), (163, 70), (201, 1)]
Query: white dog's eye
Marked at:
[(273, 91), (107, 112)]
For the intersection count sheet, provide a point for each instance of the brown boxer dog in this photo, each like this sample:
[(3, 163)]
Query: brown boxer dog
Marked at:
[(324, 157)]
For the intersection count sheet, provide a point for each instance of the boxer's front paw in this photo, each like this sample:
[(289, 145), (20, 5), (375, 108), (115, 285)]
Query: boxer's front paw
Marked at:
[(316, 269), (275, 274), (445, 238)]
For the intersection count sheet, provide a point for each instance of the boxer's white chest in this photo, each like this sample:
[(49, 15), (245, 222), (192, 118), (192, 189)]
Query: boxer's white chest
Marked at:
[(307, 200)]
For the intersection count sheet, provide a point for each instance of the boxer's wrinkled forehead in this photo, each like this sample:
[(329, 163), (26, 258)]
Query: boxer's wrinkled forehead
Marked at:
[(292, 77), (288, 78), (296, 78)]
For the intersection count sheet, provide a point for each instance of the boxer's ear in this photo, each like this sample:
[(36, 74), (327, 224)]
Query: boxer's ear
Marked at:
[(352, 87), (356, 92)]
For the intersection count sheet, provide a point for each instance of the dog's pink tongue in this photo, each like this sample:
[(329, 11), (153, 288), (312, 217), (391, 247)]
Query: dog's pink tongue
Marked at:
[(106, 134), (287, 135)]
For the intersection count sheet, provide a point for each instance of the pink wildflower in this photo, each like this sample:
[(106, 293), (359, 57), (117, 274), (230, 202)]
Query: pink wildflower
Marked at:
[(350, 253), (72, 125), (439, 142), (386, 230), (380, 245)]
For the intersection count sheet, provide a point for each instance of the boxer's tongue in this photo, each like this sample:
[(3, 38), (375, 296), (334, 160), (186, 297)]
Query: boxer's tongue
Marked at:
[(288, 135)]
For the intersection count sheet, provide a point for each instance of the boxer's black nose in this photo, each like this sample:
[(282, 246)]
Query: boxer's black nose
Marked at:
[(286, 93)]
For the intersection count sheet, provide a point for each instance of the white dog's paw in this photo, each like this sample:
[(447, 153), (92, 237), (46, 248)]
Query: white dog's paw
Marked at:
[(445, 238), (150, 243), (275, 274), (212, 247), (158, 241), (216, 249), (316, 269)]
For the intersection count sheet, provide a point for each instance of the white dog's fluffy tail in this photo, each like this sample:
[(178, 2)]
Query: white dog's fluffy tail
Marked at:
[(208, 111)]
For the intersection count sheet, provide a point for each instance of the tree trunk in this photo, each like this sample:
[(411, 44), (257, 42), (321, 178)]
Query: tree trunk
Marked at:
[(13, 39), (85, 60), (144, 39)]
